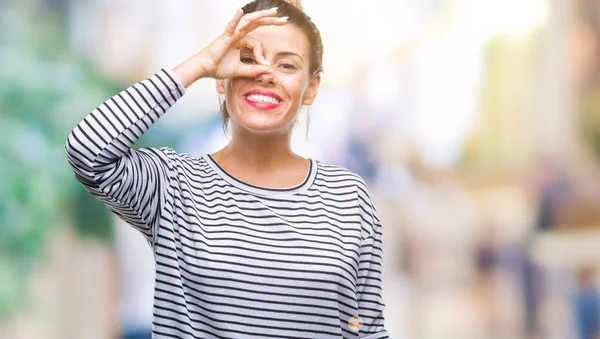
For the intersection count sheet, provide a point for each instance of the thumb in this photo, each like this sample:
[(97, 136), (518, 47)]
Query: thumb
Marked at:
[(245, 70)]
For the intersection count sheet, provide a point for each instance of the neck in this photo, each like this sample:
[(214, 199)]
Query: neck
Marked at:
[(258, 151)]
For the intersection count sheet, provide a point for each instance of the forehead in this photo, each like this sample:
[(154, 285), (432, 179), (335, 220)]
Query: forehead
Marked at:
[(288, 38)]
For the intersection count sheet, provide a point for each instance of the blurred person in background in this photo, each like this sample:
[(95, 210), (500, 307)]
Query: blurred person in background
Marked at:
[(441, 221), (586, 305), (552, 190), (486, 261), (253, 239)]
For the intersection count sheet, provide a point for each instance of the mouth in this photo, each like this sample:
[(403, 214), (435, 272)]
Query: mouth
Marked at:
[(262, 99)]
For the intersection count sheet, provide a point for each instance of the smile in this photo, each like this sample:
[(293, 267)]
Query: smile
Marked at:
[(262, 99)]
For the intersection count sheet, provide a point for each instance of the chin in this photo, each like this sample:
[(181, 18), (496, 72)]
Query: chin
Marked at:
[(264, 125)]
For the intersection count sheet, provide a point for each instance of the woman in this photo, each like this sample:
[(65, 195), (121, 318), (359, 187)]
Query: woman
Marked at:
[(253, 240)]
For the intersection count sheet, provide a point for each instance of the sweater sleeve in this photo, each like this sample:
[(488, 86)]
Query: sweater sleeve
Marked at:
[(131, 183), (369, 291)]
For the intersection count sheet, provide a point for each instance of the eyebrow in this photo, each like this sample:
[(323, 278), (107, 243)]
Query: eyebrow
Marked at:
[(278, 54), (286, 53)]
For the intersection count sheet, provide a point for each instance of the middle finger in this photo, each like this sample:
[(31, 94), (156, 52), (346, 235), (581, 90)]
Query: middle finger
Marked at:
[(249, 27)]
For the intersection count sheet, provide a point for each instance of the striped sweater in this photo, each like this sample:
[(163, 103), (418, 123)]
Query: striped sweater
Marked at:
[(234, 260)]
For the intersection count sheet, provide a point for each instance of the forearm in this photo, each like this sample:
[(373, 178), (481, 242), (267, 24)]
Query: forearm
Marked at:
[(108, 132)]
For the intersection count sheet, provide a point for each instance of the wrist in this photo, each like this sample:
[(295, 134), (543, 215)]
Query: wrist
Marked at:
[(200, 66), (191, 70)]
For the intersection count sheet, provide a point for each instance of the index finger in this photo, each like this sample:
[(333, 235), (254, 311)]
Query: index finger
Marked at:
[(247, 18), (232, 25), (251, 17)]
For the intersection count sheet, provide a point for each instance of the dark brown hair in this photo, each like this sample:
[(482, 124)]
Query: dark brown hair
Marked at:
[(296, 16)]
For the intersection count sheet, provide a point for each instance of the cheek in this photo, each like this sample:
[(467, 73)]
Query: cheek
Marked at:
[(230, 87), (294, 86)]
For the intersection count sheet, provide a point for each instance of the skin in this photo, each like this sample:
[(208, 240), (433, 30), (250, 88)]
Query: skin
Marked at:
[(258, 51)]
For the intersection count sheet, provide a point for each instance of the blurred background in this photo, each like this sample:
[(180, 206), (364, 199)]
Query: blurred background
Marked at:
[(476, 124)]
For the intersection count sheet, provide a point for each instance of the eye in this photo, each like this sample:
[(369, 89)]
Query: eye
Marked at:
[(288, 66), (247, 60)]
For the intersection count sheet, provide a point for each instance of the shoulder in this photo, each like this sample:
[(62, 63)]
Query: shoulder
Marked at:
[(335, 176), (339, 175)]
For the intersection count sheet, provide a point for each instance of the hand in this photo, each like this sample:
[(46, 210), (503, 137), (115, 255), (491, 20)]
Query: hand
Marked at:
[(221, 58)]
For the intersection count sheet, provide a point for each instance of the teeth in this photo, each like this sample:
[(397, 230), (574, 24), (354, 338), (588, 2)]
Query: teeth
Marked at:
[(262, 98)]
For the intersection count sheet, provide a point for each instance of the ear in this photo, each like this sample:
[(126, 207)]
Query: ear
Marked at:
[(311, 91), (220, 85)]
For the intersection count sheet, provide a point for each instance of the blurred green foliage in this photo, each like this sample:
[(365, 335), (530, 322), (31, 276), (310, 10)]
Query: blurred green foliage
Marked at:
[(45, 89)]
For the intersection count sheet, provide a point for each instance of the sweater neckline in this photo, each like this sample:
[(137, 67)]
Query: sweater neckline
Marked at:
[(265, 191)]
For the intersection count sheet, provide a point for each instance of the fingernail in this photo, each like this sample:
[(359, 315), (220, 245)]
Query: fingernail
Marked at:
[(273, 9), (285, 17)]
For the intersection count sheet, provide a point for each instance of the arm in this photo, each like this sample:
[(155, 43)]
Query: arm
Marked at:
[(368, 285), (132, 183), (369, 292)]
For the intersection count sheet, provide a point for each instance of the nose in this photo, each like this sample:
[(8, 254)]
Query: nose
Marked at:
[(266, 78)]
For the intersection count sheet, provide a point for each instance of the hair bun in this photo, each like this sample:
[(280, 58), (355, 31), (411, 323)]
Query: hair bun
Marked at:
[(295, 3)]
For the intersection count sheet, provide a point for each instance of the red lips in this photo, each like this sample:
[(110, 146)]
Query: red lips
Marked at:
[(263, 105), (263, 92)]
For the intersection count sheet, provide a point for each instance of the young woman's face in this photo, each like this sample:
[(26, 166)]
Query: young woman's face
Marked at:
[(270, 102)]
